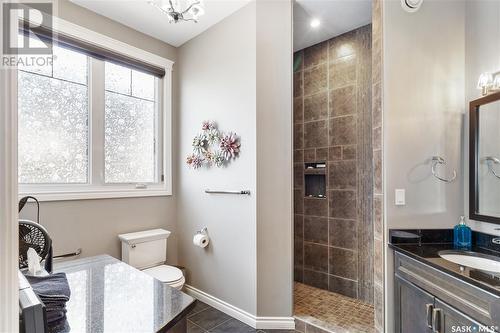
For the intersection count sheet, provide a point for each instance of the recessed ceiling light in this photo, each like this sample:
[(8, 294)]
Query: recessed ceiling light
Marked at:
[(315, 23)]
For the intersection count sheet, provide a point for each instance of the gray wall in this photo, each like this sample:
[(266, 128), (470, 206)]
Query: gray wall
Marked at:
[(482, 54), (274, 158), (94, 225), (424, 57), (242, 83), (218, 83)]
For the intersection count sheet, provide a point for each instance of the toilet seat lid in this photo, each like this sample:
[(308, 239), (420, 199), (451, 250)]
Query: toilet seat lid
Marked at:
[(165, 273)]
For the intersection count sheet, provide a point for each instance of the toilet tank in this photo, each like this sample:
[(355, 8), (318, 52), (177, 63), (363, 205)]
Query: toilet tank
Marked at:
[(144, 249)]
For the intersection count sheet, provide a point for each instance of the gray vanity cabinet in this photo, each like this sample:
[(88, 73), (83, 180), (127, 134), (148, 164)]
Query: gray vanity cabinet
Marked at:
[(420, 312), (414, 308), (430, 301), (450, 319)]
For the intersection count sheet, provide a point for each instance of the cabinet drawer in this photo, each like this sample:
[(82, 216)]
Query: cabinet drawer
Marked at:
[(471, 300)]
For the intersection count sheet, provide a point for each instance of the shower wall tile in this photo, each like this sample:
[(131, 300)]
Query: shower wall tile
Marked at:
[(298, 201), (298, 111), (315, 55), (316, 229), (316, 207), (298, 226), (377, 170), (377, 125), (343, 286), (343, 263), (342, 72), (331, 98), (335, 153), (342, 131), (343, 233), (349, 152), (342, 204), (378, 216), (298, 175), (342, 175), (342, 101), (315, 79), (310, 155), (297, 84), (316, 257), (322, 154), (342, 46), (298, 136), (316, 134), (298, 252), (298, 155), (316, 279), (316, 106), (377, 138), (298, 273)]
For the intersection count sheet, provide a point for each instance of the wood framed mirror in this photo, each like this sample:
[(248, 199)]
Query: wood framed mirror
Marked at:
[(484, 159)]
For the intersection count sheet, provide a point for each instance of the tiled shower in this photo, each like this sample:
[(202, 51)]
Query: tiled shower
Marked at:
[(333, 165)]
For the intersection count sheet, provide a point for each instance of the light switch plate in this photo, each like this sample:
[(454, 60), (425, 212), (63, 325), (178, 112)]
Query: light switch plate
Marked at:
[(400, 195)]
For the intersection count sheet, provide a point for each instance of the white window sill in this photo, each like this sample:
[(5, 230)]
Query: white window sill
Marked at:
[(90, 195)]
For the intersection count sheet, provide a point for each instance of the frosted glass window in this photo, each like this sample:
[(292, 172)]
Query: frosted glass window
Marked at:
[(52, 129), (130, 126), (130, 131), (143, 85), (40, 67), (70, 65), (88, 126), (118, 78)]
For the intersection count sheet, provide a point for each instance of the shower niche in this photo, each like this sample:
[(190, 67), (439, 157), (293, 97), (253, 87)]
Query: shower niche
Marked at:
[(315, 180)]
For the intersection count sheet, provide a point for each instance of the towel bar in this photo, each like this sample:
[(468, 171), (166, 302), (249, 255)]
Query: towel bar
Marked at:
[(72, 254), (244, 192)]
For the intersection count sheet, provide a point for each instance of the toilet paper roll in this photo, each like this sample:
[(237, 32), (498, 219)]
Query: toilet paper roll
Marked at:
[(201, 240)]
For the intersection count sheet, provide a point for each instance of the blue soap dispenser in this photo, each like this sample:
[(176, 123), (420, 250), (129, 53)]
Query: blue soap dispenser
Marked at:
[(462, 235)]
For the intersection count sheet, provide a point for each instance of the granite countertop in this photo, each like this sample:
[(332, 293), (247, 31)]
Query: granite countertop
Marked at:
[(428, 253), (109, 295)]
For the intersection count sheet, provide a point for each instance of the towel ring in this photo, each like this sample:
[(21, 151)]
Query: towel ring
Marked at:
[(490, 161), (439, 160)]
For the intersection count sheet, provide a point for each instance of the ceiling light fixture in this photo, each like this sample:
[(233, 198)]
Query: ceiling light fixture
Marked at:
[(315, 23), (489, 82), (180, 10)]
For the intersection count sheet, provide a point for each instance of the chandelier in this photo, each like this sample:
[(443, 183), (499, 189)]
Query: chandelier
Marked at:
[(180, 10)]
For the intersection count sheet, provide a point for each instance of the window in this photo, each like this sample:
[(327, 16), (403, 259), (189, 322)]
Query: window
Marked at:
[(89, 127), (130, 126), (53, 121)]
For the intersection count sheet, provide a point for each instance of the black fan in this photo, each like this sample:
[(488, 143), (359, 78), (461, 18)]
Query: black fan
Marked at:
[(34, 235)]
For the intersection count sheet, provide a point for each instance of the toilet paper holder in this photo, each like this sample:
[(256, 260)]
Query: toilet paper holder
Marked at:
[(203, 231)]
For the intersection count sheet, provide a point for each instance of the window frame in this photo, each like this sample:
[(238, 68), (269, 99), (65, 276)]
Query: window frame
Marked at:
[(96, 188)]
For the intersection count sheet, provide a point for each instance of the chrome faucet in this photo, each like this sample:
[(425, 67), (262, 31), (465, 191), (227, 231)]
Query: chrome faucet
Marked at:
[(496, 240)]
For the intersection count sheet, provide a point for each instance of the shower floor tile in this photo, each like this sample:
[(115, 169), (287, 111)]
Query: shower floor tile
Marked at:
[(330, 311)]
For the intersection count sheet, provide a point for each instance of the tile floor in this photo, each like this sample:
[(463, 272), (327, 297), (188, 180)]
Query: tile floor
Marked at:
[(330, 311), (204, 318), (316, 311)]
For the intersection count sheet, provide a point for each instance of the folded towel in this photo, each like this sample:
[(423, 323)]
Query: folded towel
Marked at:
[(54, 316), (49, 288), (54, 292)]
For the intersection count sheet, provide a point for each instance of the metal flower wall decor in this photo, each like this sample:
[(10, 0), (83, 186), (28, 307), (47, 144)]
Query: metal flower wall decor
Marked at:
[(211, 147)]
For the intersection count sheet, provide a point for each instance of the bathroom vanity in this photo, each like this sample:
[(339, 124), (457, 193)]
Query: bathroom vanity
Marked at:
[(433, 294), (108, 295)]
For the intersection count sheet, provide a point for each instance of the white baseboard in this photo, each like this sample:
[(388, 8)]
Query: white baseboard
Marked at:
[(285, 323)]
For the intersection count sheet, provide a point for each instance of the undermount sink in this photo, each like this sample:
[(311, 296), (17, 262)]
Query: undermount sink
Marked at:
[(474, 260)]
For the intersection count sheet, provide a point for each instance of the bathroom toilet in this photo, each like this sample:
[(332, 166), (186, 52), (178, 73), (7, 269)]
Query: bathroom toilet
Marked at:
[(147, 250)]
